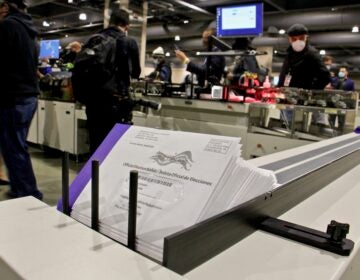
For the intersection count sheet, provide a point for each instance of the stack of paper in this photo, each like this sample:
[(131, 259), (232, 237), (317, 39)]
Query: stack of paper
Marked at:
[(183, 178)]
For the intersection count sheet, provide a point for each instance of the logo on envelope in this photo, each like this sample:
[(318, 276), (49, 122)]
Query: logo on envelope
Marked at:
[(184, 159)]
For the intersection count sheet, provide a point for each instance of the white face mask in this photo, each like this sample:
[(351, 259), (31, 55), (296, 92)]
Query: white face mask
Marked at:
[(298, 45), (341, 74)]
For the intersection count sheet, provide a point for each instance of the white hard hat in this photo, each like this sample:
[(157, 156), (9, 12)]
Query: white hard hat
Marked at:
[(158, 51)]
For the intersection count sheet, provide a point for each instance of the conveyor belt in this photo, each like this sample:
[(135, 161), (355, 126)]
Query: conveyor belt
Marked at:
[(297, 171), (304, 156)]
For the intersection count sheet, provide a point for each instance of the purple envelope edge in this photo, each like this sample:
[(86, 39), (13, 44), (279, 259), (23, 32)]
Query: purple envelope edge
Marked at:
[(100, 154)]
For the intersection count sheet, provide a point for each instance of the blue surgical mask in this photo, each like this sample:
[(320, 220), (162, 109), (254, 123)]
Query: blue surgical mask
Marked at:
[(341, 74)]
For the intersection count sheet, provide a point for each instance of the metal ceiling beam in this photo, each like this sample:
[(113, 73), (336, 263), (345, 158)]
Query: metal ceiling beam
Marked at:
[(193, 7), (211, 3), (59, 30), (278, 4), (34, 3), (81, 8)]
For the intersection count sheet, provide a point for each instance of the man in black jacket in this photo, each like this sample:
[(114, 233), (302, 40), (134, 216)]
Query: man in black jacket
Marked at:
[(111, 104), (18, 96), (213, 67), (303, 67)]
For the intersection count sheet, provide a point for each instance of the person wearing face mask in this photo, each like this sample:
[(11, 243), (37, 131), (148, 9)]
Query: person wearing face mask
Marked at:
[(162, 70), (343, 81), (302, 67), (328, 61), (211, 69)]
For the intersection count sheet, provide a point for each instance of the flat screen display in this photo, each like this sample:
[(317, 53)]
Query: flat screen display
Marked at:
[(240, 20), (49, 48)]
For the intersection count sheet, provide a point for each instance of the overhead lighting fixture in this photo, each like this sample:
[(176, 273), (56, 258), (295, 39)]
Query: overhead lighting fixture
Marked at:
[(82, 16), (45, 23), (275, 51), (355, 29), (177, 38), (186, 21), (282, 31), (322, 52), (167, 54), (70, 1), (66, 35)]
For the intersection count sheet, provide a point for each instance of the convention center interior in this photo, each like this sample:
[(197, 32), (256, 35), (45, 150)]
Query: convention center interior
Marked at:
[(198, 140)]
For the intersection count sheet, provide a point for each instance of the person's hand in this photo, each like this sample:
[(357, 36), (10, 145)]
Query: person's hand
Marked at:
[(328, 86), (230, 76), (182, 56)]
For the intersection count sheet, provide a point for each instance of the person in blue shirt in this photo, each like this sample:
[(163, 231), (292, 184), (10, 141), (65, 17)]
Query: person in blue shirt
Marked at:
[(343, 81), (162, 70)]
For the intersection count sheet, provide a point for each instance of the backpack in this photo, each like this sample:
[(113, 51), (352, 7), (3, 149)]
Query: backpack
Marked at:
[(94, 67)]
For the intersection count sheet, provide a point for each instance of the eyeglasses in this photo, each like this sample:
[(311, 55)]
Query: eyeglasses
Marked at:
[(298, 37)]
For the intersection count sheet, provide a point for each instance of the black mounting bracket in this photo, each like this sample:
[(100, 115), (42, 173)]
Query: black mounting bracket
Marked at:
[(333, 240)]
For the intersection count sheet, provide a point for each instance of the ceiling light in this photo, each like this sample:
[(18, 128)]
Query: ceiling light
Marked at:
[(167, 54), (177, 38), (66, 36), (186, 21), (70, 1), (275, 51), (45, 23), (322, 52), (82, 16), (282, 31), (355, 29)]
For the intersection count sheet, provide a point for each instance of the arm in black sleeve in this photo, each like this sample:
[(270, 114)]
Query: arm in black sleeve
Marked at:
[(199, 70), (217, 65), (153, 75), (322, 74), (238, 71), (4, 47), (284, 71), (134, 59)]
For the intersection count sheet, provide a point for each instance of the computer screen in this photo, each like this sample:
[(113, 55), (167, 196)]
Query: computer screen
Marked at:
[(49, 48), (240, 20)]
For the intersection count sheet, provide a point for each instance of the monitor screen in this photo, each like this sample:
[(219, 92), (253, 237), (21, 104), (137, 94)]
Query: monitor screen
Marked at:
[(49, 48), (240, 20)]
